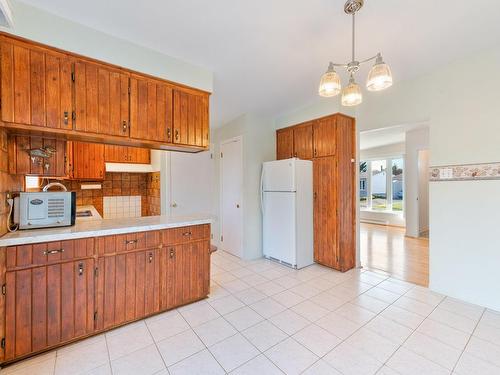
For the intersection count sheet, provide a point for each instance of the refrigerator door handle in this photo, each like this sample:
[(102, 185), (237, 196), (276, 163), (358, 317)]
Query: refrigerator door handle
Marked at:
[(262, 190)]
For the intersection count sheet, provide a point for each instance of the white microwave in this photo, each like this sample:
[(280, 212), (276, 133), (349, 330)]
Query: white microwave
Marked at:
[(45, 209)]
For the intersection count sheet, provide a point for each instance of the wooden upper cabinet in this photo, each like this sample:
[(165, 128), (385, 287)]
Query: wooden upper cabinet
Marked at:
[(190, 119), (303, 141), (87, 161), (36, 86), (125, 154), (284, 143), (20, 161), (101, 99), (324, 136), (150, 109)]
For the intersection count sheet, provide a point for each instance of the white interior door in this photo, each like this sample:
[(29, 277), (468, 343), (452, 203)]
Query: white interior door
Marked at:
[(423, 191), (191, 183), (231, 196)]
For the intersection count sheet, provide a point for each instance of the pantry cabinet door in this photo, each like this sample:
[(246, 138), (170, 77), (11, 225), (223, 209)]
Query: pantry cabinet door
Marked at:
[(324, 136), (303, 141), (88, 161), (284, 144), (190, 119)]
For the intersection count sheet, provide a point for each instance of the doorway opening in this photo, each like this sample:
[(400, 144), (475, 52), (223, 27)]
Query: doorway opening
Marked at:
[(231, 193), (394, 201)]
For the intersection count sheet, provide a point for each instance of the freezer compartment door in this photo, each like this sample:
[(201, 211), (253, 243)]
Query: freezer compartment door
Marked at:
[(279, 175), (279, 225)]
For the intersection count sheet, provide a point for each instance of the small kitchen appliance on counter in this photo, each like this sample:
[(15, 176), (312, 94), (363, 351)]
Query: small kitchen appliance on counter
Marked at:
[(45, 209)]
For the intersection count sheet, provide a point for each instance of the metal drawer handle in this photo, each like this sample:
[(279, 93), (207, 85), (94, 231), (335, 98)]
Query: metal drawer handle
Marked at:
[(66, 116), (186, 233), (172, 253), (176, 135), (130, 242), (53, 252), (150, 257)]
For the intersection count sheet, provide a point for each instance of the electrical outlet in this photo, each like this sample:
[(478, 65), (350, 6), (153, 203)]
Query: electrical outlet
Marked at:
[(445, 173)]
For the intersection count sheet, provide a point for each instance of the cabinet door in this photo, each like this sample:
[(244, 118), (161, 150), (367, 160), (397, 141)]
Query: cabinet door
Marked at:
[(115, 154), (199, 270), (284, 143), (22, 163), (128, 287), (101, 99), (303, 141), (324, 136), (190, 119), (325, 211), (47, 306), (138, 155), (150, 110), (88, 161), (36, 86)]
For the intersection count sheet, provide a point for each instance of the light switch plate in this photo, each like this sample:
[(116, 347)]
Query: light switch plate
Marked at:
[(446, 173)]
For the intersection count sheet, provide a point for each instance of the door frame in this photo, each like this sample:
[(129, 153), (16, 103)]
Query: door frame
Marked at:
[(221, 193)]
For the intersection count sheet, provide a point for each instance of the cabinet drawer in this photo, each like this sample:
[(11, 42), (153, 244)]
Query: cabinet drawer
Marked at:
[(48, 252), (186, 234), (127, 242)]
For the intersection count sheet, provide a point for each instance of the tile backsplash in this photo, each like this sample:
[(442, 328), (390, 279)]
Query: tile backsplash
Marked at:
[(122, 206)]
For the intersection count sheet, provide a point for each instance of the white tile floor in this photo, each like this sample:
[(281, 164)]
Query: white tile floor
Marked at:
[(262, 318)]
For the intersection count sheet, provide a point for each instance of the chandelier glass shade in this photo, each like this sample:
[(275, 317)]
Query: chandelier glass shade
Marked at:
[(351, 94), (379, 77), (330, 83)]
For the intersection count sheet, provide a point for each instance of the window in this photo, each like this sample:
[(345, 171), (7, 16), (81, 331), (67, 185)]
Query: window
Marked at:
[(397, 184), (381, 184), (363, 179)]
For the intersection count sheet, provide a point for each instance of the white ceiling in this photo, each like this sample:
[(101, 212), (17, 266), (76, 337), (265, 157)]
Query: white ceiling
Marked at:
[(267, 56), (386, 136)]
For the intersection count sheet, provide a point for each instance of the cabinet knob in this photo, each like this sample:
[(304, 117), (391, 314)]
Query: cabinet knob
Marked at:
[(172, 253), (124, 126), (169, 133), (176, 135), (150, 257), (315, 152), (66, 116)]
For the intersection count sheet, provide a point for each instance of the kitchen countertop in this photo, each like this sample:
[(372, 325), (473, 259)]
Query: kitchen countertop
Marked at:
[(104, 227)]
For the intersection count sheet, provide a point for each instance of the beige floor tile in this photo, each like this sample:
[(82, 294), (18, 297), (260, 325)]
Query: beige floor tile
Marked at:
[(243, 318), (310, 310), (180, 346), (226, 304), (259, 365), (318, 340), (264, 335), (214, 331), (338, 325), (289, 322), (373, 344), (434, 350), (146, 361), (288, 298), (291, 357), (406, 362), (233, 352), (267, 307), (352, 361), (201, 363)]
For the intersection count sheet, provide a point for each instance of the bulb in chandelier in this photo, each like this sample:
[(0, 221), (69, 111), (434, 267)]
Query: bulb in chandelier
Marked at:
[(330, 83), (351, 94), (380, 76)]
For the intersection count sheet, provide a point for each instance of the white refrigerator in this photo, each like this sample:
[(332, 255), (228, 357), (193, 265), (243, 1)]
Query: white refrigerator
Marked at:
[(287, 211)]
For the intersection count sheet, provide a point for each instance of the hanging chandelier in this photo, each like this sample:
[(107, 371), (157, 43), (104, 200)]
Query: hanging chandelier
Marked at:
[(379, 78)]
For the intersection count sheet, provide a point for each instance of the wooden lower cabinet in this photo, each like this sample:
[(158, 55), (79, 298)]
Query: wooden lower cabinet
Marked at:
[(51, 300), (48, 306), (128, 287)]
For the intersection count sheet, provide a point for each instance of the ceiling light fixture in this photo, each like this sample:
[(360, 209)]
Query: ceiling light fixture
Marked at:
[(379, 78)]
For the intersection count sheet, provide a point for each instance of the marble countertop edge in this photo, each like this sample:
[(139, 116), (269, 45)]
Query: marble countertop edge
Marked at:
[(98, 228)]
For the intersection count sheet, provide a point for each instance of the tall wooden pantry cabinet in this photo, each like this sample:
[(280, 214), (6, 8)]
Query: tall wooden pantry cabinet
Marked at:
[(330, 142)]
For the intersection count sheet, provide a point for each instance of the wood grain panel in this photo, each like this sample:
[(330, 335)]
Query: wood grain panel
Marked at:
[(325, 136), (284, 144), (303, 141), (325, 211), (88, 161)]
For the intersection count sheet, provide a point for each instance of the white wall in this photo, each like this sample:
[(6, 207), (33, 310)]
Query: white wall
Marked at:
[(258, 146), (383, 152), (415, 140), (38, 25)]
